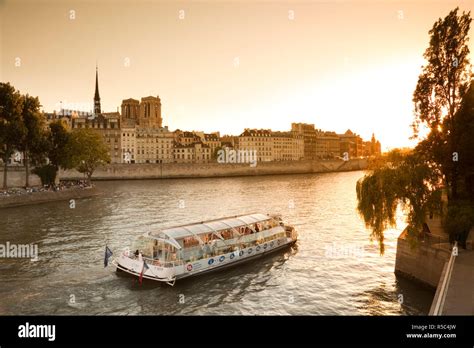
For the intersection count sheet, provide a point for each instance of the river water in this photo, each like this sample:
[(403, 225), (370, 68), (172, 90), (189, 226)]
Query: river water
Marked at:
[(334, 269)]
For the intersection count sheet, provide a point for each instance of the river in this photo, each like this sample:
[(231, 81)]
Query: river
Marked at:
[(333, 270)]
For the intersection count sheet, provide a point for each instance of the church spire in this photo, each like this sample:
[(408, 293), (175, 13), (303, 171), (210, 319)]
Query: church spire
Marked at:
[(96, 95)]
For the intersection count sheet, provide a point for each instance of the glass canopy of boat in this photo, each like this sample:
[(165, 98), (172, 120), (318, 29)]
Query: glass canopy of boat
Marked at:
[(214, 226)]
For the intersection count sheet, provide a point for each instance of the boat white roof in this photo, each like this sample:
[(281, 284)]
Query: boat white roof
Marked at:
[(210, 226)]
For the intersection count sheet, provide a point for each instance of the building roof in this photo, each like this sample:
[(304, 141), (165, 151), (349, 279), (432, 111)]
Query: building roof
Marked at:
[(131, 100), (256, 133), (282, 134), (191, 230), (211, 137), (150, 97), (113, 114), (187, 134), (192, 145)]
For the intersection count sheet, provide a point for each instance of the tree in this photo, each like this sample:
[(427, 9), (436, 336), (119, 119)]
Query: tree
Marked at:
[(12, 128), (398, 179), (442, 104), (47, 173), (34, 142), (464, 123), (87, 151), (440, 89), (58, 139)]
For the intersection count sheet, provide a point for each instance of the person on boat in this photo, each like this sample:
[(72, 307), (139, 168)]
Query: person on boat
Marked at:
[(156, 250)]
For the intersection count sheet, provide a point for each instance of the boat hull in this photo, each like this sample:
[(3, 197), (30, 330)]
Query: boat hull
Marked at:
[(204, 266), (238, 262)]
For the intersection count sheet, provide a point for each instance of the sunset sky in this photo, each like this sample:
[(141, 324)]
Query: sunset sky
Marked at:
[(227, 65)]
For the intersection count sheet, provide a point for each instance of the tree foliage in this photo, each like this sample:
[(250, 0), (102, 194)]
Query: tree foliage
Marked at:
[(58, 138), (23, 128), (464, 140), (47, 173), (86, 151), (398, 178), (12, 128), (33, 144), (440, 90), (444, 103), (459, 221)]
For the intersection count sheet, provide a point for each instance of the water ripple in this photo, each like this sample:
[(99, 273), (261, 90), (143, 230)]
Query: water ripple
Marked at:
[(312, 278)]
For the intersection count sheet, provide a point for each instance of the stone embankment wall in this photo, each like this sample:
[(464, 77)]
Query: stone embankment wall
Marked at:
[(16, 177), (424, 263), (206, 170)]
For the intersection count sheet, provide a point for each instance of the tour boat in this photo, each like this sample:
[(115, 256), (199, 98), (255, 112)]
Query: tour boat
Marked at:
[(183, 251)]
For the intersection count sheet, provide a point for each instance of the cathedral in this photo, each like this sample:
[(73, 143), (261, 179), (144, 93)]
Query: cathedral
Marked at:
[(137, 134)]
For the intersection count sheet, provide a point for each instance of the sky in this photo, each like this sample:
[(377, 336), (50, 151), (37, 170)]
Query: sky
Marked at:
[(228, 65)]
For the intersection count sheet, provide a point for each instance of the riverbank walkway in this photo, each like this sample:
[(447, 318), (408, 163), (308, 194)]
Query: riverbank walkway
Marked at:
[(455, 291), (460, 293)]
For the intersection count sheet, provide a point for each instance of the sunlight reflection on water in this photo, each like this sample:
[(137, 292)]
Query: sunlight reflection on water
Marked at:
[(313, 278)]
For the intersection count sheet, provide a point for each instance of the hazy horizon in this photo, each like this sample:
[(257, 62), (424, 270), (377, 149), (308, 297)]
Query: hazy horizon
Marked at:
[(227, 66)]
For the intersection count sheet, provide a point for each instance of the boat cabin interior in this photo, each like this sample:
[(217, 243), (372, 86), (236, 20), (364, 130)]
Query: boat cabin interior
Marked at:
[(188, 243)]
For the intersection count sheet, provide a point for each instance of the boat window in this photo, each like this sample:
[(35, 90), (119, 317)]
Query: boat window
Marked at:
[(273, 223), (227, 234), (190, 242), (144, 246), (206, 237), (192, 254)]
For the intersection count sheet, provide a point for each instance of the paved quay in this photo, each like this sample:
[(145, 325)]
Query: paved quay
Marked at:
[(460, 295)]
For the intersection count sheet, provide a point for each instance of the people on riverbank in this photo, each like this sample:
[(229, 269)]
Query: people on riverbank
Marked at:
[(63, 185)]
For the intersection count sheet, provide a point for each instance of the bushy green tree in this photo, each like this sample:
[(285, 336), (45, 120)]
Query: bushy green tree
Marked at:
[(439, 92), (12, 128), (33, 144), (86, 150), (398, 179), (444, 105), (464, 140), (47, 173), (58, 139)]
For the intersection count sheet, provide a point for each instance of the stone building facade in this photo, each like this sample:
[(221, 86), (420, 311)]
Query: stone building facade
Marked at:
[(108, 126), (137, 135), (272, 146)]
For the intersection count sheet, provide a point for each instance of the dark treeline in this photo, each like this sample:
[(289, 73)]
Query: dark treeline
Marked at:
[(442, 163), (48, 146)]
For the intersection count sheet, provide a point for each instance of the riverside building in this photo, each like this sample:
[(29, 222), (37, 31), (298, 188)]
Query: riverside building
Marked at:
[(137, 135)]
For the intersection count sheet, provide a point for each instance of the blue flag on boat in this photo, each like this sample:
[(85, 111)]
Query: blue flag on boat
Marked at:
[(108, 254)]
